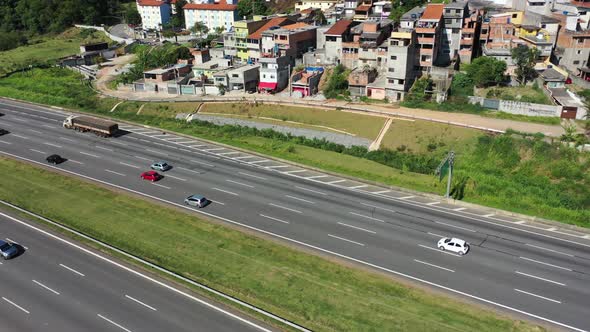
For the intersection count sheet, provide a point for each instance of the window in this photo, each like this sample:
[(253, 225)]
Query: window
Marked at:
[(448, 21), (577, 62), (394, 57), (484, 31), (579, 51), (514, 15), (391, 70), (543, 26), (235, 75), (456, 30), (400, 81), (263, 75)]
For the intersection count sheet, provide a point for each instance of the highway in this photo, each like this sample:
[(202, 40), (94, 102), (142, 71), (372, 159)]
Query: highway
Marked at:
[(538, 273), (57, 285)]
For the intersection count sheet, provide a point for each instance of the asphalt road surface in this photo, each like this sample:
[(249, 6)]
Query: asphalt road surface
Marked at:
[(540, 273)]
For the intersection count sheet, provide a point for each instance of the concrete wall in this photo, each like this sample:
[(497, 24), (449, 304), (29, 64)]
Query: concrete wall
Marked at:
[(113, 37), (516, 107)]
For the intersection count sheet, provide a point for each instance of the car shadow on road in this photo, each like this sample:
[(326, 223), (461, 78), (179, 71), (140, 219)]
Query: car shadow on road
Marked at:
[(20, 250)]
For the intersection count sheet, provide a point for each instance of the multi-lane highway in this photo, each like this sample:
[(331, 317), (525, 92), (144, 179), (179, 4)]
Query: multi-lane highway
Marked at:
[(540, 273), (58, 285)]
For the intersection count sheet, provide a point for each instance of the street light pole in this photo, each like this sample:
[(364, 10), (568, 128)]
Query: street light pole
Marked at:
[(451, 165)]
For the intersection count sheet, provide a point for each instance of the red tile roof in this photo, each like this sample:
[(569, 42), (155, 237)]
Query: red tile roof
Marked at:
[(210, 6), (277, 21), (152, 3), (433, 11), (295, 26), (339, 27)]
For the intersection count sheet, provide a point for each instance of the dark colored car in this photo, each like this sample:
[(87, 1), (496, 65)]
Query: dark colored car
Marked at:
[(151, 176), (4, 132), (55, 159), (7, 249)]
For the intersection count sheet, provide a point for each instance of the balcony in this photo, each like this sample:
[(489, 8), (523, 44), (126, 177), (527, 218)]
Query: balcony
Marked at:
[(426, 30), (350, 45), (241, 34), (468, 30), (425, 51), (424, 40), (426, 63)]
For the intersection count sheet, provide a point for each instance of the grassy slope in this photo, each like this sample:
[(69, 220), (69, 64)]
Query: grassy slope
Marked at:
[(518, 93), (309, 290), (46, 48)]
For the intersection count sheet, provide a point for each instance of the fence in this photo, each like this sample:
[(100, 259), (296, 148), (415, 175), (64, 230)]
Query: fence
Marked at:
[(517, 107)]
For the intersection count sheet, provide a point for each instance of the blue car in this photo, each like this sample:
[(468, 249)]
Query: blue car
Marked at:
[(7, 250)]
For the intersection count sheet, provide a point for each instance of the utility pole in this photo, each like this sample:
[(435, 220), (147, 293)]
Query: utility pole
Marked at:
[(448, 162), (289, 76)]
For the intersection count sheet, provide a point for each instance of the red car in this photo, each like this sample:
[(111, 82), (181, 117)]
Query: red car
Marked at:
[(151, 176)]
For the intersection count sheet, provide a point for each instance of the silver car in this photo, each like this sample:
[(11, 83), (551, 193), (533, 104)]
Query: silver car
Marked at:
[(196, 200), (7, 250), (161, 166)]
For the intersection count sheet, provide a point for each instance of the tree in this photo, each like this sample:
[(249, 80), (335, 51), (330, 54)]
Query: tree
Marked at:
[(248, 8), (219, 30), (178, 19), (420, 89), (337, 83), (525, 59), (585, 94), (485, 71), (199, 28), (132, 15)]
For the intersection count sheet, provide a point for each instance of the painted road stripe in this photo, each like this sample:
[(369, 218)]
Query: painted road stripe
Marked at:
[(539, 296), (317, 177), (547, 249), (54, 145), (16, 305), (297, 171), (245, 157), (138, 301), (49, 289), (278, 166), (228, 153), (12, 241), (75, 161), (311, 190), (285, 208), (103, 148), (273, 218), (434, 234), (543, 263), (368, 217), (334, 182), (252, 176), (381, 192), (5, 142), (225, 191), (19, 136), (67, 139), (89, 154), (441, 251), (357, 187), (215, 149), (158, 152), (189, 170), (259, 161), (143, 158), (201, 163), (119, 143), (535, 277), (460, 209), (489, 215), (520, 222), (359, 228), (347, 240), (69, 268), (108, 170), (35, 131), (38, 151), (240, 183), (433, 203), (407, 197), (439, 267), (159, 185), (128, 165), (197, 146), (117, 325), (174, 177), (458, 227), (299, 199)]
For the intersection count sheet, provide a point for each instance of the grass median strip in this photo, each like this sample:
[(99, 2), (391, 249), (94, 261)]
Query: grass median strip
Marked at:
[(301, 287)]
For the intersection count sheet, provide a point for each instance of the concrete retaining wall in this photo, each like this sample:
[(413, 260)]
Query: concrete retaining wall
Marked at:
[(517, 107)]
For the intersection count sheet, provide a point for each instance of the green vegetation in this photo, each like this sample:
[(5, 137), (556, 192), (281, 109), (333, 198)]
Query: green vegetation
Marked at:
[(357, 124), (149, 57), (248, 8), (337, 82), (516, 172), (486, 71), (45, 50), (301, 287), (525, 59), (524, 93)]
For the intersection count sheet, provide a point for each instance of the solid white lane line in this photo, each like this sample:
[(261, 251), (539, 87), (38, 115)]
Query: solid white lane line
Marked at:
[(555, 251), (543, 263), (334, 182), (46, 126), (317, 177), (128, 165), (252, 176), (441, 251), (368, 217), (357, 187), (162, 186), (488, 215), (245, 157), (407, 197), (297, 171), (217, 202), (54, 145), (433, 203), (273, 218), (120, 174), (539, 296), (240, 183), (215, 149), (142, 158), (117, 325), (67, 139), (89, 154), (532, 276), (188, 170), (228, 153), (41, 152), (459, 227), (75, 161), (520, 222), (380, 192), (69, 268), (311, 190), (138, 301), (5, 142), (286, 208), (174, 177), (16, 305), (460, 209), (196, 146), (359, 228), (439, 267), (299, 199), (302, 243), (103, 148), (225, 191), (347, 240), (201, 163), (49, 289), (435, 234), (35, 131), (278, 166), (19, 136)]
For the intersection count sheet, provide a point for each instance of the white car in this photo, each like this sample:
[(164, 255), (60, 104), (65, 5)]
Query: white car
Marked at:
[(453, 244)]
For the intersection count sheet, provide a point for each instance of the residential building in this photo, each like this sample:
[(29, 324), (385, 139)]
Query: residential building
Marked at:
[(381, 10), (235, 41), (469, 42), (306, 82), (371, 37), (401, 63), (338, 35), (154, 13), (274, 74), (358, 79), (240, 78), (573, 51), (454, 16), (410, 18), (498, 35), (214, 14), (320, 4), (291, 40), (429, 35), (350, 7), (167, 73), (363, 11), (256, 46)]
